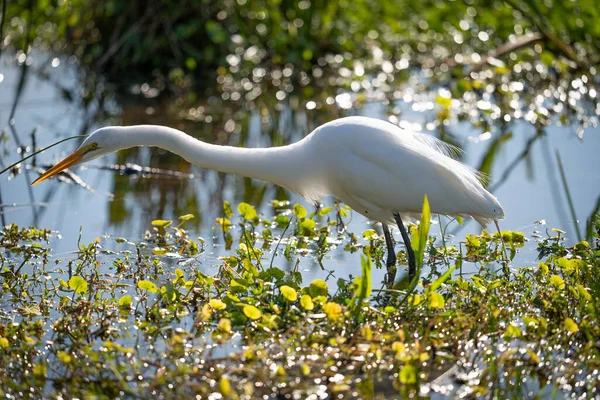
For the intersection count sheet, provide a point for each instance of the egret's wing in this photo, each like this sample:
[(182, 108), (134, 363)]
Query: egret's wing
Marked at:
[(438, 145), (448, 150), (394, 177)]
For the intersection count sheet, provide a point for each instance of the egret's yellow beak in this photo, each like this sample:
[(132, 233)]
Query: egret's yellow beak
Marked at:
[(62, 165)]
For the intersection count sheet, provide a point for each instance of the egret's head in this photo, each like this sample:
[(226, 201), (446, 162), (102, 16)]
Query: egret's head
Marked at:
[(497, 209), (102, 142)]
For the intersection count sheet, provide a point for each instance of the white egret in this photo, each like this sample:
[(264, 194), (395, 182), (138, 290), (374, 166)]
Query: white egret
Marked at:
[(379, 169)]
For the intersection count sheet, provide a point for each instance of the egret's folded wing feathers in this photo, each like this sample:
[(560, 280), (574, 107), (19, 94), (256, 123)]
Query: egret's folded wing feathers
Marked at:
[(438, 145)]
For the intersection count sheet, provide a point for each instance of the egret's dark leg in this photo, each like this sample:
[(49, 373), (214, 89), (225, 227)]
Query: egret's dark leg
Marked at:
[(412, 266), (390, 264)]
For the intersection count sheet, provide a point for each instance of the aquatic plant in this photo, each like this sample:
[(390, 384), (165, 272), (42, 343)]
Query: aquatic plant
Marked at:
[(160, 318)]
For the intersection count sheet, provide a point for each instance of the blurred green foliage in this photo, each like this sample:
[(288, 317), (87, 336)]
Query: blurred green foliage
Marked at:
[(151, 37)]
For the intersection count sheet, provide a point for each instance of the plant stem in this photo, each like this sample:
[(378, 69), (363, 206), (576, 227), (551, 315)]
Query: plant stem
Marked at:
[(39, 151), (568, 193)]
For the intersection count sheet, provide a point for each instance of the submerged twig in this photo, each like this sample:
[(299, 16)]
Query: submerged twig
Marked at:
[(516, 161), (2, 217), (568, 194)]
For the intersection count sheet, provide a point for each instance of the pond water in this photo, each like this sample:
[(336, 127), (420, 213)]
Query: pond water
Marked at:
[(123, 205)]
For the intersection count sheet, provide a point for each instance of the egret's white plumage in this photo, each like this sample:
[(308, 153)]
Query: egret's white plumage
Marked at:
[(377, 168)]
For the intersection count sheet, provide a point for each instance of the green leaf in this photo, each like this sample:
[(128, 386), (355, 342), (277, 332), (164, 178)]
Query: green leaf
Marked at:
[(185, 218), (65, 358), (157, 251), (224, 325), (584, 293), (39, 370), (289, 293), (161, 223), (512, 331), (308, 225), (333, 310), (571, 325), (436, 300), (438, 282), (227, 209), (318, 287), (148, 286), (557, 282), (282, 220), (367, 287), (224, 223), (324, 211), (252, 312), (445, 102), (217, 304), (423, 229), (408, 375), (125, 301), (306, 302), (370, 234), (305, 368), (415, 299), (247, 211), (224, 386), (78, 284), (299, 211), (238, 286)]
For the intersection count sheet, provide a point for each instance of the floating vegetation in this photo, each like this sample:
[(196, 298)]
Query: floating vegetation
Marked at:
[(157, 318)]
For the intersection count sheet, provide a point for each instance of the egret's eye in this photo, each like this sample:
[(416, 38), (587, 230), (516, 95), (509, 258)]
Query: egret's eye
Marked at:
[(94, 146)]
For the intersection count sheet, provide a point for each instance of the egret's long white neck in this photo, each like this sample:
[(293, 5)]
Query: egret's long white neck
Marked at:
[(284, 166)]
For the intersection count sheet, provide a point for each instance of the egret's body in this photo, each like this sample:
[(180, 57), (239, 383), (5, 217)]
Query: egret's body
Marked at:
[(377, 168)]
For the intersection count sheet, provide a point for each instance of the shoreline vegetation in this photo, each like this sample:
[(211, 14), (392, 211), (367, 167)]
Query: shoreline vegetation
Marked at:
[(139, 319)]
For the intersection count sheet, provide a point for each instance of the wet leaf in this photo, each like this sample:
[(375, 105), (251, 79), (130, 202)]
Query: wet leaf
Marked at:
[(289, 293), (65, 358), (370, 234), (318, 287), (247, 211), (78, 284), (161, 223), (185, 218), (408, 375), (557, 282), (224, 386), (324, 211), (224, 325), (571, 326), (224, 223), (148, 286), (125, 301), (415, 299), (512, 331), (299, 211), (217, 304), (252, 312), (436, 300), (306, 302), (227, 209), (333, 310)]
